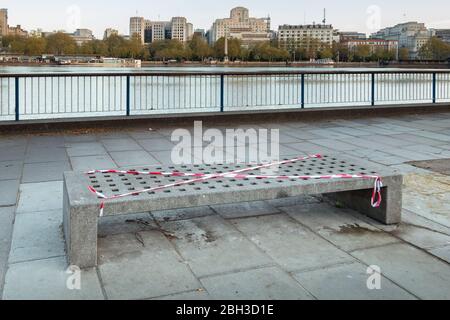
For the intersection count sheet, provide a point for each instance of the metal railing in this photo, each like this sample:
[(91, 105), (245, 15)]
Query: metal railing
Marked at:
[(68, 95)]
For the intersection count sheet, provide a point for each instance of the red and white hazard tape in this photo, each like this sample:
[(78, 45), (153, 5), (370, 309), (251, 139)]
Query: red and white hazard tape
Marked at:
[(238, 174)]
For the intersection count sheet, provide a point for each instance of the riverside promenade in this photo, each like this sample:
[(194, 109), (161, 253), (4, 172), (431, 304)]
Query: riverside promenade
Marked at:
[(297, 248)]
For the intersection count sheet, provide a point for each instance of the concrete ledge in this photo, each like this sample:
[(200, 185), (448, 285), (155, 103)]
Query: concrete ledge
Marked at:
[(154, 121)]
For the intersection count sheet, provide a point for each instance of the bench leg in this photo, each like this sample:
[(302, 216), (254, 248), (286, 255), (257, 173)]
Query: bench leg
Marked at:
[(80, 230), (390, 211)]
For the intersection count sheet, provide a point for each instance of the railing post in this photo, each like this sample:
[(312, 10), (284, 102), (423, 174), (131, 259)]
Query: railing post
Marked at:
[(303, 91), (17, 92), (222, 93), (128, 96), (373, 90), (434, 87)]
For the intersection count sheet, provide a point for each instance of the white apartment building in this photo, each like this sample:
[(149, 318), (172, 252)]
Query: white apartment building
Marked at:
[(137, 27), (179, 29), (294, 36), (149, 31), (410, 35), (241, 26)]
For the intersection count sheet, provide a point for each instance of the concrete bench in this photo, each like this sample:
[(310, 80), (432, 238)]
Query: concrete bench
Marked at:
[(81, 207)]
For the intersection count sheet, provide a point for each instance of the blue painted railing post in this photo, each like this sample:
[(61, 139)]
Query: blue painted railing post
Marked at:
[(128, 96), (373, 90), (303, 91), (222, 93), (17, 92), (434, 87)]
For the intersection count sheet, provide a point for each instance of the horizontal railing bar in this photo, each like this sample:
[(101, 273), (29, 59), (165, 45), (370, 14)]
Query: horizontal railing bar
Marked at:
[(226, 73)]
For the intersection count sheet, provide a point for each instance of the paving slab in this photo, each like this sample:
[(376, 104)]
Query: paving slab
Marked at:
[(337, 226), (442, 253), (127, 144), (37, 236), (47, 280), (11, 170), (47, 140), (182, 214), (414, 270), (330, 134), (74, 138), (335, 144), (85, 149), (12, 153), (9, 191), (159, 144), (6, 230), (43, 196), (197, 295), (142, 266), (43, 172), (416, 139), (133, 158), (92, 163), (131, 223), (13, 141), (257, 284), (348, 282), (40, 154), (245, 209), (290, 244), (212, 246), (433, 207)]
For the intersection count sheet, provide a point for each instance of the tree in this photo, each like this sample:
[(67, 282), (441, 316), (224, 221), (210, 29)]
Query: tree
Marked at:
[(169, 49), (435, 49), (362, 52), (403, 54), (199, 48), (266, 52), (61, 43), (234, 49), (35, 46)]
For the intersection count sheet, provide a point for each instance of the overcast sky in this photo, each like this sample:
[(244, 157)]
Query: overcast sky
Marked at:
[(360, 15)]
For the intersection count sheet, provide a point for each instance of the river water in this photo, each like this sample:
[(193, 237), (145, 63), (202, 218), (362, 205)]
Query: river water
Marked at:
[(42, 98)]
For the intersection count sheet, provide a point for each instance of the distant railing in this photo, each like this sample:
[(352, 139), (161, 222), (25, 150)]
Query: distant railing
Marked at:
[(69, 95)]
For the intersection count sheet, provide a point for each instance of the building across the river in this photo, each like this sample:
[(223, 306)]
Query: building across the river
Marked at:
[(443, 34), (149, 31), (295, 36), (4, 22), (241, 26), (410, 35)]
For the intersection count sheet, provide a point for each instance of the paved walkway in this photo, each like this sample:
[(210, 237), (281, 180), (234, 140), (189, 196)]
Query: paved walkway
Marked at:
[(300, 248)]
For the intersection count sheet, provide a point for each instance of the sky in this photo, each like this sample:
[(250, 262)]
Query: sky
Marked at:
[(358, 15)]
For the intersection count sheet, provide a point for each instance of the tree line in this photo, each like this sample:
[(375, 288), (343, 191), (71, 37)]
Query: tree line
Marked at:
[(198, 49)]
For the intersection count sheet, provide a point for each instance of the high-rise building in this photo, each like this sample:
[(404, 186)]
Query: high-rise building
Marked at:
[(179, 29), (3, 22), (149, 31), (189, 31), (410, 35), (241, 26), (137, 28), (295, 36)]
